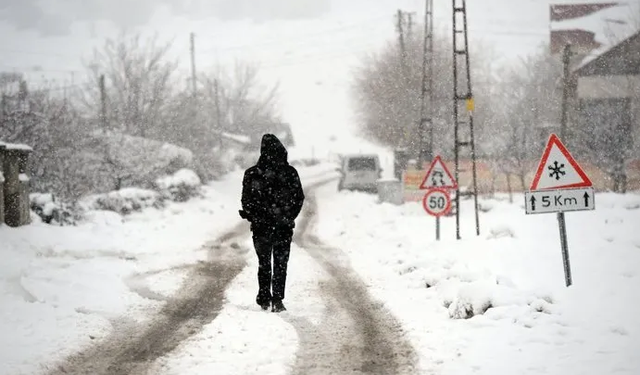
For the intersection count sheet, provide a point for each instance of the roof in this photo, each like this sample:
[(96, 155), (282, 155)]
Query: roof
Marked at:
[(16, 146), (594, 28), (620, 59), (243, 139)]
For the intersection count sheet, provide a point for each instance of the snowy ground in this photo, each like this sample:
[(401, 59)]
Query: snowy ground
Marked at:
[(532, 323), (244, 339), (62, 287)]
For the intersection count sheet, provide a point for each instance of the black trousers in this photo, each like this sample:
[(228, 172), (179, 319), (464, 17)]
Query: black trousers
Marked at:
[(268, 244)]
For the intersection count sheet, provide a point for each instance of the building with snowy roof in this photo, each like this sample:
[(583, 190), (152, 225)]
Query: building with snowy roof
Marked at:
[(604, 85)]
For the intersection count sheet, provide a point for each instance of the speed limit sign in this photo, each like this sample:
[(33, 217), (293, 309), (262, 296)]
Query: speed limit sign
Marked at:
[(437, 202)]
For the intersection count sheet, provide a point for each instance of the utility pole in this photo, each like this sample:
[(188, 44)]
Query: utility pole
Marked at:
[(426, 95), (193, 63), (425, 152), (463, 97), (566, 60), (401, 38), (216, 93), (409, 25), (103, 103)]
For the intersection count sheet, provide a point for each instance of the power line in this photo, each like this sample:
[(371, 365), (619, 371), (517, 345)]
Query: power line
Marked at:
[(40, 53), (279, 43), (298, 40)]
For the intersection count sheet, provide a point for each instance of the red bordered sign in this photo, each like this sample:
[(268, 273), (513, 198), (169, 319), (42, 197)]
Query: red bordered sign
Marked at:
[(437, 202), (558, 169)]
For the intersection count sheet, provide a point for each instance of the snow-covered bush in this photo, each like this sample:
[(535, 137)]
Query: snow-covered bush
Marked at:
[(124, 201), (135, 161), (51, 211), (181, 186), (472, 299)]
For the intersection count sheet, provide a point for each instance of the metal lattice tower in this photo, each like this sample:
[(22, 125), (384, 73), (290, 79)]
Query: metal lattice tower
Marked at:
[(463, 106), (426, 92)]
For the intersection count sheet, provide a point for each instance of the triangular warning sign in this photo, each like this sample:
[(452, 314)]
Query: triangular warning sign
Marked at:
[(558, 169), (438, 176)]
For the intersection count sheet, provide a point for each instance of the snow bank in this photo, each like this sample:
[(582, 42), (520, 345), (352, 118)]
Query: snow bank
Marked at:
[(182, 177), (181, 186), (123, 201), (497, 304), (16, 146)]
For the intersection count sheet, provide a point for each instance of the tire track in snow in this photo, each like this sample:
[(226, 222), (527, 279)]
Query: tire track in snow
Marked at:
[(198, 302), (358, 335), (131, 348)]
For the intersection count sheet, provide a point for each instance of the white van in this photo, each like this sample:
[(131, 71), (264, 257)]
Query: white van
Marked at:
[(359, 172)]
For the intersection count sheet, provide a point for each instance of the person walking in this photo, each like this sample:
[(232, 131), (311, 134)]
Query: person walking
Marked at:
[(272, 198)]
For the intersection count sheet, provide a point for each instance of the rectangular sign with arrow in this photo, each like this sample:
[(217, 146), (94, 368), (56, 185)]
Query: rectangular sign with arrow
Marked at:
[(565, 200)]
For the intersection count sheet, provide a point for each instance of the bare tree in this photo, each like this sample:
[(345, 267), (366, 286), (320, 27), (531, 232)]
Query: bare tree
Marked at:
[(237, 100), (138, 83), (387, 94), (526, 106)]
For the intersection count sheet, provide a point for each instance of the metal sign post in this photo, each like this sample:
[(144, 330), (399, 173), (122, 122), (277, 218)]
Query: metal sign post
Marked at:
[(438, 178), (565, 248), (560, 185)]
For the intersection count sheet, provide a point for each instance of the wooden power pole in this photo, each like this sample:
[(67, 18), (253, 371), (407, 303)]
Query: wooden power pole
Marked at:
[(401, 38), (425, 151), (103, 103), (194, 86), (566, 61)]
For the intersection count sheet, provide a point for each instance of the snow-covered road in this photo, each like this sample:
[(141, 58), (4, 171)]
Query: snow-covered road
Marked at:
[(333, 326)]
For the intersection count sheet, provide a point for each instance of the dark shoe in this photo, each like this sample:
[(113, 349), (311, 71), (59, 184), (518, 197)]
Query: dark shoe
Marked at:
[(264, 303), (278, 306)]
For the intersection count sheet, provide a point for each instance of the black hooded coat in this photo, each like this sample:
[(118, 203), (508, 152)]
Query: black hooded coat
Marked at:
[(272, 194)]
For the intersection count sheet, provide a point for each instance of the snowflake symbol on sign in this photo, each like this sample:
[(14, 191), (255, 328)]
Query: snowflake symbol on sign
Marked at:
[(556, 170)]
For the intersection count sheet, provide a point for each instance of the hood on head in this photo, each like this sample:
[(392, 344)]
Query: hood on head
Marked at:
[(272, 150)]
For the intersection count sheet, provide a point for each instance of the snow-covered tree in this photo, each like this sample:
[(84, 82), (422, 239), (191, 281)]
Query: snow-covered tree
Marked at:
[(138, 80), (387, 92)]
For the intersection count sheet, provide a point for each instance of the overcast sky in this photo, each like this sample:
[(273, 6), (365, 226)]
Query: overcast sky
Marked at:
[(54, 17)]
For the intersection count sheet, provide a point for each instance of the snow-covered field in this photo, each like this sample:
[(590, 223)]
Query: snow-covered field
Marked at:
[(511, 278), (62, 287)]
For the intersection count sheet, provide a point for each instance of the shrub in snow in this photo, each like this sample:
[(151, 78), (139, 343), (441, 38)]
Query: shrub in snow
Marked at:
[(181, 186), (464, 309), (472, 299), (500, 231), (125, 201), (484, 206), (51, 211)]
